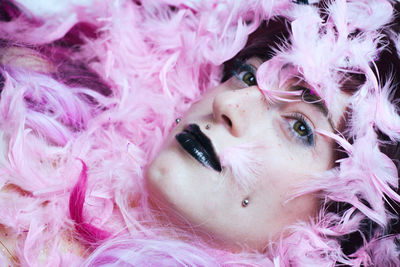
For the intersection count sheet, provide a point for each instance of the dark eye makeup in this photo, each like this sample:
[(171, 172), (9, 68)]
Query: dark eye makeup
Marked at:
[(300, 129), (245, 73)]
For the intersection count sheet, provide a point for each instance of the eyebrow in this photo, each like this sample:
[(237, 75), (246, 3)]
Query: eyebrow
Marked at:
[(309, 97)]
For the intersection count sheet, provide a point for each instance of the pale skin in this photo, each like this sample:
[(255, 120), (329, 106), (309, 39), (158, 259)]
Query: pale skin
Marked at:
[(198, 198)]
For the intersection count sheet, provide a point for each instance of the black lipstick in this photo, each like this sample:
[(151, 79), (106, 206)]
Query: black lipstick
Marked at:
[(199, 146)]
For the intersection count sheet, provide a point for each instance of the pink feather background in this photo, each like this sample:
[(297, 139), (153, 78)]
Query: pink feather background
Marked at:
[(80, 153)]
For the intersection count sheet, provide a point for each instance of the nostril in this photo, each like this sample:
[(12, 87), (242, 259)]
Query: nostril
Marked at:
[(227, 120)]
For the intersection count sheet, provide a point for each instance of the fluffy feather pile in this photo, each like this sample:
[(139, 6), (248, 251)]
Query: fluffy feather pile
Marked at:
[(93, 87)]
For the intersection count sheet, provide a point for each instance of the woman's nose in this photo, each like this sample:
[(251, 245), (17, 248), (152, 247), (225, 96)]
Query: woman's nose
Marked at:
[(233, 109)]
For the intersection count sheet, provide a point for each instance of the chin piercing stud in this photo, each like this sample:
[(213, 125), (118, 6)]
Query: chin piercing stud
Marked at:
[(245, 202), (208, 126), (178, 120)]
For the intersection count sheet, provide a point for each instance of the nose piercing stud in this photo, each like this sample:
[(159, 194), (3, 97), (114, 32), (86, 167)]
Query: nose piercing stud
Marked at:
[(177, 120), (245, 202)]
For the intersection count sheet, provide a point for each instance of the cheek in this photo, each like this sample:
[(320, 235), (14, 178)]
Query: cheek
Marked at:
[(271, 212), (275, 213), (302, 160), (325, 154)]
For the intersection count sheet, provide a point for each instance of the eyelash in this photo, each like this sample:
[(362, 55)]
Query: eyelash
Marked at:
[(240, 71), (308, 138)]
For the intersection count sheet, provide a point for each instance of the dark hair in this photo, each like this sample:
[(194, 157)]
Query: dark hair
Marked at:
[(261, 43), (70, 72)]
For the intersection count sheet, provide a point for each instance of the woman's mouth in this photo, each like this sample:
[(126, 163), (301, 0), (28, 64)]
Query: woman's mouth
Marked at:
[(199, 146)]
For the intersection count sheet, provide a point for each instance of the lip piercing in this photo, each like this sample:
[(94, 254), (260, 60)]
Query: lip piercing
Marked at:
[(245, 202), (177, 120)]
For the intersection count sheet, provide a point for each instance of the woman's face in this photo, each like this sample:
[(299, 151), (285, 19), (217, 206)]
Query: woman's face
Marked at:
[(185, 181)]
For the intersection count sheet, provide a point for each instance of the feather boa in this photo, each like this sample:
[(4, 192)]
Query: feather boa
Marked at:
[(80, 123)]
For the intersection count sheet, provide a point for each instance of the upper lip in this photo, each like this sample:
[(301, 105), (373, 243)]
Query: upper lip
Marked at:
[(199, 146)]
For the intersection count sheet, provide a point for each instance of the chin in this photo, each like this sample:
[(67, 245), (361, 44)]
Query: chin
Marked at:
[(157, 176), (162, 178)]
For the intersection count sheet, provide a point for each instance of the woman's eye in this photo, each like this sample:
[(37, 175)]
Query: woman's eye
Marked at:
[(245, 73), (249, 79), (301, 129)]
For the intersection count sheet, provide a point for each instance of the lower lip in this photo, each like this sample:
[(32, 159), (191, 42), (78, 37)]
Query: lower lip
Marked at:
[(190, 144)]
